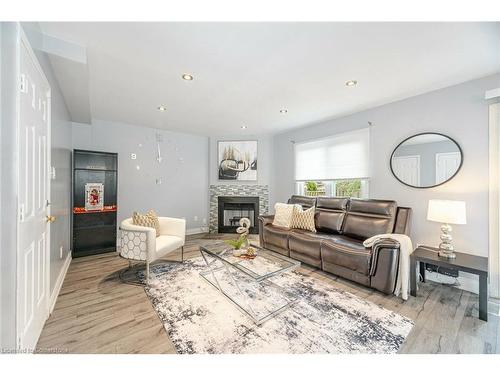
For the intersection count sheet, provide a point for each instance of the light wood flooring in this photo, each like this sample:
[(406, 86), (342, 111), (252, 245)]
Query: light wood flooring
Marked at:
[(97, 313)]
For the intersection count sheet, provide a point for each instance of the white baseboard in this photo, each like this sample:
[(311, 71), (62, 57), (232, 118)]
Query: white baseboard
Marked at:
[(466, 283), (59, 282), (196, 231)]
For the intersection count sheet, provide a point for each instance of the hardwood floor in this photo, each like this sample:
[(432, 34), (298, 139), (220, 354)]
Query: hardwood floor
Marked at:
[(97, 313)]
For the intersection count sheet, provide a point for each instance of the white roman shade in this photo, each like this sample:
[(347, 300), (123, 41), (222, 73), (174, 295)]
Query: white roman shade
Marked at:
[(343, 156)]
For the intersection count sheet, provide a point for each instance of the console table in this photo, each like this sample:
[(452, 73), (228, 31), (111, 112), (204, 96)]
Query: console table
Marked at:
[(463, 262)]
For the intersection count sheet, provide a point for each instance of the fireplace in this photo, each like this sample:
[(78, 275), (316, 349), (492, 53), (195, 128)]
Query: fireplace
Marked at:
[(232, 209)]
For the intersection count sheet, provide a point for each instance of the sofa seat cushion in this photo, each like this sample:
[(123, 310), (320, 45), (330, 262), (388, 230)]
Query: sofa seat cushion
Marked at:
[(348, 253), (276, 236), (306, 246), (166, 244)]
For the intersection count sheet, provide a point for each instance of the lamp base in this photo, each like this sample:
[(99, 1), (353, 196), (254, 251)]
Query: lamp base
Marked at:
[(447, 254), (446, 247)]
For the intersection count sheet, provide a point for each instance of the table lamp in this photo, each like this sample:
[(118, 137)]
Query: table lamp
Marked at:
[(446, 212)]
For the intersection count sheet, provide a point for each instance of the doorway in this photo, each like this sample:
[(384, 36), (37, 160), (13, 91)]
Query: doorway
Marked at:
[(494, 203), (33, 234)]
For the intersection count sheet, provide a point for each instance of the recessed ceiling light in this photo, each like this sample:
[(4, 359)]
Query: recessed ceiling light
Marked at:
[(351, 83), (187, 77), (162, 108), (243, 126), (283, 110)]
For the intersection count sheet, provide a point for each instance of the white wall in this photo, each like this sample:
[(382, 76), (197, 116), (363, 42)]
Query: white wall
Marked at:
[(8, 178), (184, 169), (460, 112), (264, 160)]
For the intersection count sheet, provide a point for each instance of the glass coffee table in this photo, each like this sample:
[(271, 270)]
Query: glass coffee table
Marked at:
[(247, 282)]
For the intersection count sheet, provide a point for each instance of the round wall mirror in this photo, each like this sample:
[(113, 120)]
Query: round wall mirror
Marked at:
[(426, 160)]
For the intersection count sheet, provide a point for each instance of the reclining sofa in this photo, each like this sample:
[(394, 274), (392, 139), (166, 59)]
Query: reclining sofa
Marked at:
[(342, 225)]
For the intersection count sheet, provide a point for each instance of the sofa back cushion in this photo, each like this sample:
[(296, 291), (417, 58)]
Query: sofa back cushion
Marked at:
[(305, 202), (366, 218), (330, 214)]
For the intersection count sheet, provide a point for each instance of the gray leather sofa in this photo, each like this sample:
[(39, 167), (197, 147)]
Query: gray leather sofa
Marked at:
[(342, 225)]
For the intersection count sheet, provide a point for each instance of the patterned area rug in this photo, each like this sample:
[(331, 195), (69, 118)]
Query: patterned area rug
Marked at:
[(324, 319)]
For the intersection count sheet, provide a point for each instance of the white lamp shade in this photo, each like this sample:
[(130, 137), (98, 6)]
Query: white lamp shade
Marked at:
[(448, 212)]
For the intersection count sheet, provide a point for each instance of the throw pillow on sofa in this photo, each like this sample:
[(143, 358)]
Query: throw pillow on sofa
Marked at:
[(283, 215), (148, 220), (303, 219)]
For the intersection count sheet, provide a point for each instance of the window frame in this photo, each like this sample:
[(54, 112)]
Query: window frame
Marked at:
[(330, 191)]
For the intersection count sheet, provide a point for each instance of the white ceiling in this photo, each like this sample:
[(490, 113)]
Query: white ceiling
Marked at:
[(246, 72)]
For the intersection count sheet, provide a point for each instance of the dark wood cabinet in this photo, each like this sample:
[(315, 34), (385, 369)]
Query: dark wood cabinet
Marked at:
[(94, 230)]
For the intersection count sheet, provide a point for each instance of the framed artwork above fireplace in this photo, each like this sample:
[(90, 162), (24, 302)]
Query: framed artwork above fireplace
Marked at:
[(237, 160)]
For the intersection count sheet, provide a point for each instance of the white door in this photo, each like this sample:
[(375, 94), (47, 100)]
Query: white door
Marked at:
[(447, 164), (407, 168), (33, 205)]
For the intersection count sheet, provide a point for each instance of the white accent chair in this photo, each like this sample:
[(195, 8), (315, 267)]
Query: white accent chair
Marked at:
[(141, 244)]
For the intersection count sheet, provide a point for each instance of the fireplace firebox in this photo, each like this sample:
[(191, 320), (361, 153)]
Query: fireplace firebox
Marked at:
[(232, 209)]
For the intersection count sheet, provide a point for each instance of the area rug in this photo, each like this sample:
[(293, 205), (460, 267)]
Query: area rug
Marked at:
[(324, 319)]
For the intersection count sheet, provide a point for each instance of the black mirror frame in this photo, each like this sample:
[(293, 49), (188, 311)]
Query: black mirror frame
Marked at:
[(432, 186)]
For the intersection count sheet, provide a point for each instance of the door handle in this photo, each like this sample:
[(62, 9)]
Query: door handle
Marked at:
[(50, 219)]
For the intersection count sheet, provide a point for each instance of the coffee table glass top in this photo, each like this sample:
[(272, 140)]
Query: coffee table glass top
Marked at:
[(265, 265)]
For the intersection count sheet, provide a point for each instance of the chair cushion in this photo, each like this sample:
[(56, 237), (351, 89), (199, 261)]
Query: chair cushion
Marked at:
[(303, 219), (276, 236), (366, 218), (348, 253), (166, 244), (330, 214)]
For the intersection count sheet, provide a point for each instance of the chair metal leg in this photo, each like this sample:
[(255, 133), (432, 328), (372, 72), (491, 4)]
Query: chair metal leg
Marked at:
[(182, 253), (147, 272)]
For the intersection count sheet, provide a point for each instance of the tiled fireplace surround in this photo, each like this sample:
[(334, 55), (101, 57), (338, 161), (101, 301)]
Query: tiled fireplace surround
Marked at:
[(261, 191)]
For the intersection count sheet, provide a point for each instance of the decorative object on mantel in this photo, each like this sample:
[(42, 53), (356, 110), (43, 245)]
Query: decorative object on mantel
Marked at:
[(426, 160), (237, 160), (446, 212)]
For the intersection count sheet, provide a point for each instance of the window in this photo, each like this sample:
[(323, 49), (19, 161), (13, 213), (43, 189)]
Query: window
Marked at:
[(334, 166), (355, 188)]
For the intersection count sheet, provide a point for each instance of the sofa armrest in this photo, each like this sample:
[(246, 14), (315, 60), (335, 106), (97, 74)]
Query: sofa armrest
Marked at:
[(384, 269), (266, 219), (172, 227), (263, 221)]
